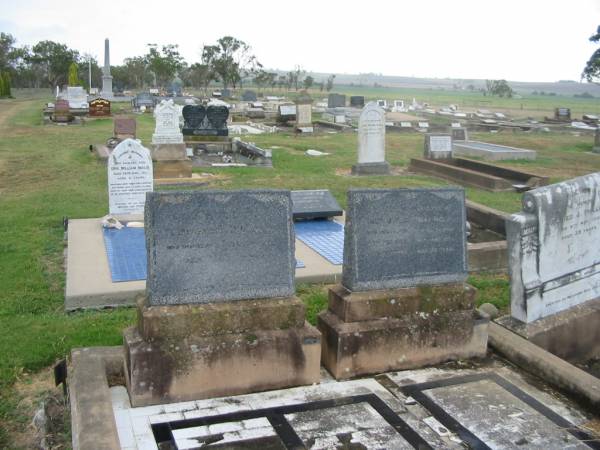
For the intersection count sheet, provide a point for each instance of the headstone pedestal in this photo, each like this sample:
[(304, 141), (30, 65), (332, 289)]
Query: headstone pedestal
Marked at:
[(219, 317), (168, 149), (402, 302)]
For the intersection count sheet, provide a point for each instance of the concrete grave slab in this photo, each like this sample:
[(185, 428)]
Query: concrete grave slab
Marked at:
[(492, 152)]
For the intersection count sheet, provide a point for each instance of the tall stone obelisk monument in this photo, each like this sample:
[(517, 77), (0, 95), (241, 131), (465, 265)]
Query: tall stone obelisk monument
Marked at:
[(107, 91)]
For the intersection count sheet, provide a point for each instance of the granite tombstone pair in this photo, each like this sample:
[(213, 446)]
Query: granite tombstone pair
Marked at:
[(230, 323)]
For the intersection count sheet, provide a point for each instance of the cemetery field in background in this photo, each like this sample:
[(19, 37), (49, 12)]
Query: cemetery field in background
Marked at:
[(47, 173)]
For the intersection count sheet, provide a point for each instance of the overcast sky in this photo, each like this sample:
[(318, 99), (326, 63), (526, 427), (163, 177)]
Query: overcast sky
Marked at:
[(521, 40)]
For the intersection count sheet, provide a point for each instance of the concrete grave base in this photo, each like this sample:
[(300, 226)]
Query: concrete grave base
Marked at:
[(378, 331), (378, 168), (573, 334), (187, 352)]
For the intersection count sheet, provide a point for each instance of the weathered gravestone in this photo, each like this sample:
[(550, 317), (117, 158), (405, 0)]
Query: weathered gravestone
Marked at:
[(438, 146), (124, 128), (99, 107), (249, 96), (145, 99), (336, 101), (62, 112), (77, 97), (304, 113), (554, 248), (200, 120), (371, 142), (219, 317), (129, 178), (459, 133), (168, 148), (562, 114), (596, 148), (357, 101), (315, 204), (286, 113), (402, 302)]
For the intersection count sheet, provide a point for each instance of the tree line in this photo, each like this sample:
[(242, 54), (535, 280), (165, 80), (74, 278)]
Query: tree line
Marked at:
[(229, 62)]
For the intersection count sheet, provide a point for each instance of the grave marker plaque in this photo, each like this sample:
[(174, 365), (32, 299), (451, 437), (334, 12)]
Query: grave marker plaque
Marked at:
[(129, 177), (99, 107), (404, 237), (315, 204), (438, 146), (124, 127), (234, 245), (553, 248)]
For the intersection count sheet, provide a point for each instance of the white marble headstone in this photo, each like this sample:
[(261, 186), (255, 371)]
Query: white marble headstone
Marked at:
[(554, 248), (371, 134), (167, 131), (77, 97), (129, 177)]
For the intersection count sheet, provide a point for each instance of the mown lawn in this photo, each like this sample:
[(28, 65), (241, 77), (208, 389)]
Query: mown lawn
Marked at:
[(47, 173)]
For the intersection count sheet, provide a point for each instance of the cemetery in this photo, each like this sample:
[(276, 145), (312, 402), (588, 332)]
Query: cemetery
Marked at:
[(221, 255)]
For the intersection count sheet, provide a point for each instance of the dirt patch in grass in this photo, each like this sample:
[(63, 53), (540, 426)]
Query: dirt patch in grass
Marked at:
[(41, 413)]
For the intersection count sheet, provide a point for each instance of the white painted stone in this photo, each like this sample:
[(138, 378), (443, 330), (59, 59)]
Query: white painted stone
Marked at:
[(77, 97), (371, 134), (167, 131), (553, 246), (438, 146), (129, 177)]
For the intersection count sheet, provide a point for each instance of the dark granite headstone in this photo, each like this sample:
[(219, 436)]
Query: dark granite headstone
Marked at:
[(205, 121), (249, 96), (216, 246), (357, 101), (315, 204), (404, 237), (459, 134), (144, 99), (124, 127), (336, 101)]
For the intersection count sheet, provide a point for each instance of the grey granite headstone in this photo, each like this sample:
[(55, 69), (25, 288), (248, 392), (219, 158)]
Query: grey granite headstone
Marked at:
[(554, 248), (404, 237), (357, 101), (336, 100), (249, 96), (459, 134), (216, 246), (315, 204), (438, 146)]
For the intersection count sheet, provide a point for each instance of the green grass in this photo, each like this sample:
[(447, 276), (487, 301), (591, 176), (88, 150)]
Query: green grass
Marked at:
[(47, 173)]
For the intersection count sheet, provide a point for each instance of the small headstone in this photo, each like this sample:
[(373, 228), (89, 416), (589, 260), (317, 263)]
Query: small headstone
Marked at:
[(562, 114), (286, 113), (249, 96), (456, 125), (371, 141), (304, 112), (336, 101), (423, 124), (167, 129), (315, 204), (357, 101), (459, 134), (404, 237), (217, 246), (553, 248), (99, 107), (405, 124), (129, 177), (62, 112), (124, 128), (438, 146), (143, 99)]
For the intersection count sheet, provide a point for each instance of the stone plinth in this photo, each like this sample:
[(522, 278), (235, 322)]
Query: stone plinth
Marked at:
[(171, 161), (190, 352), (374, 168), (396, 329)]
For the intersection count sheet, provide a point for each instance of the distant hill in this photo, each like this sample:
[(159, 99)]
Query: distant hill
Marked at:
[(562, 87)]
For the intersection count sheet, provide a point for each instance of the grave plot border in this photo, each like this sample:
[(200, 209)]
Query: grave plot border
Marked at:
[(416, 391), (163, 432)]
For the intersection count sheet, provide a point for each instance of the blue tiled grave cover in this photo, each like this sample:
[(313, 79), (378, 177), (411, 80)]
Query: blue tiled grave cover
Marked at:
[(126, 252), (323, 236)]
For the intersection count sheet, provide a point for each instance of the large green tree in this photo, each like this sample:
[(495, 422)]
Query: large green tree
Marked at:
[(591, 72), (51, 61), (232, 60), (164, 62)]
